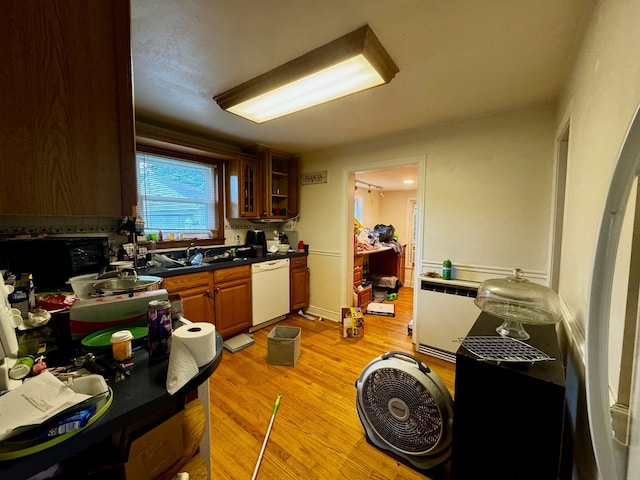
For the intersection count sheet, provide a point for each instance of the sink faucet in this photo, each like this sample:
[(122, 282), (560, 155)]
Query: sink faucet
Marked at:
[(189, 252)]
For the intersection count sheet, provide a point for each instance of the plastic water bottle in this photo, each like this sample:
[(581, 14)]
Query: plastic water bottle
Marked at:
[(446, 270)]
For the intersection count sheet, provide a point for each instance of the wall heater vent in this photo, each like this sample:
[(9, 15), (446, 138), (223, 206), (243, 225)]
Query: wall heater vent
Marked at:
[(445, 312)]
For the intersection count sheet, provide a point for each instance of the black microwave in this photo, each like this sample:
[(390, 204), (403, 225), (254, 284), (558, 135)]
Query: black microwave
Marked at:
[(54, 260)]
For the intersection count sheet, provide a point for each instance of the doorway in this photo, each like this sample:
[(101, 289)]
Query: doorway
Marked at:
[(379, 195)]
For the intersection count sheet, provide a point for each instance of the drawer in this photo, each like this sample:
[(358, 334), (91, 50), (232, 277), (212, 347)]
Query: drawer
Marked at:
[(224, 274), (365, 296), (357, 275), (187, 280), (298, 262), (358, 261)]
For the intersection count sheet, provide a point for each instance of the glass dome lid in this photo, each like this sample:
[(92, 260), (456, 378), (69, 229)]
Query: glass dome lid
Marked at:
[(516, 300)]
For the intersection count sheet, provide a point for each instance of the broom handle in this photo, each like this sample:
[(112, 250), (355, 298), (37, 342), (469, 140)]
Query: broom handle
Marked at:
[(266, 437)]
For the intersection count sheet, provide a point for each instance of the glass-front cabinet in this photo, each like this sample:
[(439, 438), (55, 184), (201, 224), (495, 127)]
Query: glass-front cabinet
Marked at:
[(279, 182), (243, 187)]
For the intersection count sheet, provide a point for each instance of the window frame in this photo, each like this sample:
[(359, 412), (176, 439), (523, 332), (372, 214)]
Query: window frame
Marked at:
[(176, 151)]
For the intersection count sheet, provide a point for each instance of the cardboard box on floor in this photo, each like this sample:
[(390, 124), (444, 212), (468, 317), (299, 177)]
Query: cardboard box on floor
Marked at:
[(283, 346), (352, 322)]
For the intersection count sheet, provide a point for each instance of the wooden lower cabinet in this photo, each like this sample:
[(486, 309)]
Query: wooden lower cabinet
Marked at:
[(195, 289), (232, 300), (299, 283)]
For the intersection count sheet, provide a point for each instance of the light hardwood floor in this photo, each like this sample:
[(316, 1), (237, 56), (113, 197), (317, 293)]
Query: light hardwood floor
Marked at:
[(317, 433)]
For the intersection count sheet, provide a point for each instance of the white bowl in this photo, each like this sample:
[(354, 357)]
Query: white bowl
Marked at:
[(283, 248), (82, 285)]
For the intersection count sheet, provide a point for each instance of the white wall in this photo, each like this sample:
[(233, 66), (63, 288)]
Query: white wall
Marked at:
[(393, 211), (600, 101), (487, 203), (371, 204)]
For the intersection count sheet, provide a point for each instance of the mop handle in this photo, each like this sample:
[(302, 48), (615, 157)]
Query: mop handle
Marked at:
[(266, 437)]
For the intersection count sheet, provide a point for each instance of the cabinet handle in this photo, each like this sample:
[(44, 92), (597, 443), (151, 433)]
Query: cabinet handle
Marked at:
[(209, 294)]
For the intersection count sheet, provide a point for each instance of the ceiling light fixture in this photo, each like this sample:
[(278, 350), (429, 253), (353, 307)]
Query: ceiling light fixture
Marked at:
[(352, 63), (407, 182)]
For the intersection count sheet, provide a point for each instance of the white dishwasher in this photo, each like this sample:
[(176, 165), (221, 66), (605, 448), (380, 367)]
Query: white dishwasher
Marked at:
[(270, 290)]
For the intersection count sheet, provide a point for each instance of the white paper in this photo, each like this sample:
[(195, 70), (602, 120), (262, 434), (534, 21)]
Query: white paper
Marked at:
[(35, 401)]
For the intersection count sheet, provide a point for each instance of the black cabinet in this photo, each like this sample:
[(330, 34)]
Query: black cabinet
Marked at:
[(508, 417)]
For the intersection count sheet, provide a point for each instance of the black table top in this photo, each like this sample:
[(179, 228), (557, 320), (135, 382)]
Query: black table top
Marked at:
[(543, 337), (135, 398)]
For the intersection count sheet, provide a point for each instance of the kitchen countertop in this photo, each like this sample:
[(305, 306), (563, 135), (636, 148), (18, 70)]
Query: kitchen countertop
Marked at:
[(218, 264), (136, 399)]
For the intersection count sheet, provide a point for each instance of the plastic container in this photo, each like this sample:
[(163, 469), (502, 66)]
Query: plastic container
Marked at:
[(82, 285), (121, 345), (22, 368), (446, 270)]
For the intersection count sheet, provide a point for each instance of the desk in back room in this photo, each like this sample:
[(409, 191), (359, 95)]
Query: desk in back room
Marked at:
[(385, 261)]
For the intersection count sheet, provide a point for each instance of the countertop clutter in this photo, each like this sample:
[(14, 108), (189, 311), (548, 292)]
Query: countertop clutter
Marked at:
[(139, 402), (216, 264), (100, 427)]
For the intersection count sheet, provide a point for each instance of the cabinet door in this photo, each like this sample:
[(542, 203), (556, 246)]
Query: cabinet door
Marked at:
[(195, 289), (197, 304), (67, 134), (232, 301), (279, 172), (299, 293), (243, 188)]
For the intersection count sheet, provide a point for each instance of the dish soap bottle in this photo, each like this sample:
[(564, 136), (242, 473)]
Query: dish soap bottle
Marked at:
[(446, 270)]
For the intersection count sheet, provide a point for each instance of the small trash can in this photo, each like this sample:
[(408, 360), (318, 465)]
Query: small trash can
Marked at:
[(283, 346)]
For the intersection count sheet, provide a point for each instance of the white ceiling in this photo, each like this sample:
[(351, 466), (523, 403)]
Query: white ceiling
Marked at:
[(457, 59)]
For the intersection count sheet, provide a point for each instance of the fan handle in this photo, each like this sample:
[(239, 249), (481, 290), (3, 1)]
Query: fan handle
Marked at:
[(423, 367)]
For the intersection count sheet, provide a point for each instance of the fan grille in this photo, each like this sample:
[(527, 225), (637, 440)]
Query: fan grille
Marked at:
[(401, 410)]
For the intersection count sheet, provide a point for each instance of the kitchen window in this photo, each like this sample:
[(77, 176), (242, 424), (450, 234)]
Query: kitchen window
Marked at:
[(179, 194)]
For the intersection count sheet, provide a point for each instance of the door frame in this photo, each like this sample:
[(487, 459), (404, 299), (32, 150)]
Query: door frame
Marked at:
[(348, 183)]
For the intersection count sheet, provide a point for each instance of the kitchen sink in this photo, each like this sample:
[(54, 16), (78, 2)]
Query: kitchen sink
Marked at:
[(217, 259)]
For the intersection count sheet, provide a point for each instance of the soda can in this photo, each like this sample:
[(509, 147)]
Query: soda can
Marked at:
[(160, 329)]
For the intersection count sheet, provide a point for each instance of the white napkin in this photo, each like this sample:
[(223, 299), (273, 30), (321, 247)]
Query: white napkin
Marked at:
[(182, 367)]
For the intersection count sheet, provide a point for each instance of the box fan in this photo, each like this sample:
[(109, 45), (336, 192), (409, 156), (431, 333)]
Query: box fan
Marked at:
[(405, 410)]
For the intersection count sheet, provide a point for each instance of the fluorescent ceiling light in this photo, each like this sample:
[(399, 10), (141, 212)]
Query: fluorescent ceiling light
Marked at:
[(352, 63)]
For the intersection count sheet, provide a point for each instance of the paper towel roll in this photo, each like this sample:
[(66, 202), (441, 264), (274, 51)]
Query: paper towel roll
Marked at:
[(200, 340), (192, 346)]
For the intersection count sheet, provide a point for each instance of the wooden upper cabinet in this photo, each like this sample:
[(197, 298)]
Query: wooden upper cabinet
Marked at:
[(67, 128), (279, 182), (243, 185)]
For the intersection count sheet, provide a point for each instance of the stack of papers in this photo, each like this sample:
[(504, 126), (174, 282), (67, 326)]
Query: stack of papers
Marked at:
[(385, 309), (33, 402)]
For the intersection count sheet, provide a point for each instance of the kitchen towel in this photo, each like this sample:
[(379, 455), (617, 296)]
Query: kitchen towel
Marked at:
[(192, 346)]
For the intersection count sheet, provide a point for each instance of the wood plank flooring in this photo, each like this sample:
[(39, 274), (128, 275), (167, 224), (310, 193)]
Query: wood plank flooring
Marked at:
[(317, 433)]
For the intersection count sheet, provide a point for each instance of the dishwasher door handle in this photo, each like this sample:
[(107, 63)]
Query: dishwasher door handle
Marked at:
[(266, 266)]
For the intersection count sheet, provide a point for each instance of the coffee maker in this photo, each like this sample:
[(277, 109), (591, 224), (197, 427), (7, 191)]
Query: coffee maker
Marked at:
[(257, 240)]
